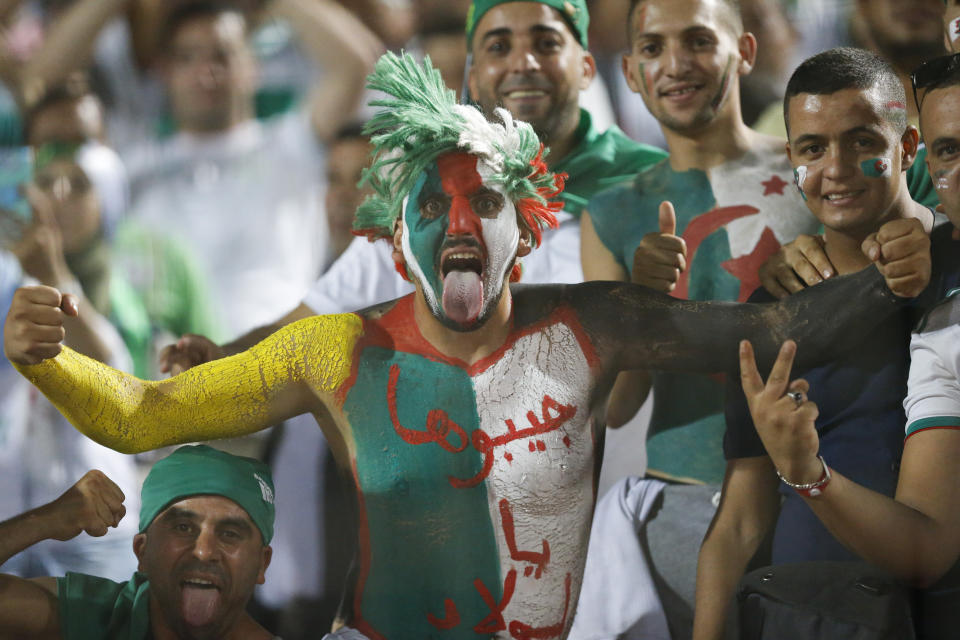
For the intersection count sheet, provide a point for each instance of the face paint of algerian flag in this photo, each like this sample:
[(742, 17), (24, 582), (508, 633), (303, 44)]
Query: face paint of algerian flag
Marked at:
[(799, 177), (953, 30), (876, 167), (460, 237)]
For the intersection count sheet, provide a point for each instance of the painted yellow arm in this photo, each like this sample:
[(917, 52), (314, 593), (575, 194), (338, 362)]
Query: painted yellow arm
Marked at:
[(288, 373)]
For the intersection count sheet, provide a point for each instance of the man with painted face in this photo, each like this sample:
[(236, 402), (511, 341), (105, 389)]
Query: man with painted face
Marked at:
[(203, 544), (851, 145), (530, 57), (468, 415)]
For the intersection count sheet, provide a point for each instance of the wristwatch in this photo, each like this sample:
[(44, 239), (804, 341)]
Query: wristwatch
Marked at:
[(810, 489)]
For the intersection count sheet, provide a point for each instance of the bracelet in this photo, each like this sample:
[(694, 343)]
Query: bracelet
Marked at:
[(810, 489)]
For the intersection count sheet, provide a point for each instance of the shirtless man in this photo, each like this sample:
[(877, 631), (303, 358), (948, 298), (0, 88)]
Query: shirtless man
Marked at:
[(468, 414)]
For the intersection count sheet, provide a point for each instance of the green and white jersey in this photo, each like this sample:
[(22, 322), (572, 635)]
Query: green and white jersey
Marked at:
[(933, 389)]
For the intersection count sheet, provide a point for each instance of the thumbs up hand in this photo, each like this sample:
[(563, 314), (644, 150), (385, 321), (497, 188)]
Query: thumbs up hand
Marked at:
[(660, 257)]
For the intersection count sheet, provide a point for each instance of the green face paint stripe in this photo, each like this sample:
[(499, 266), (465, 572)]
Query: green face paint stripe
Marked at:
[(646, 84), (724, 86), (406, 485), (876, 167), (425, 235)]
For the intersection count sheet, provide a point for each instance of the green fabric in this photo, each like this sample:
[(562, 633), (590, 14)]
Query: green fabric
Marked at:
[(573, 11), (600, 160), (935, 422), (93, 608), (202, 470), (157, 292)]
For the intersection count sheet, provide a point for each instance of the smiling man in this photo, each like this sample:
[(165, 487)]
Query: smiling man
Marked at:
[(205, 529), (469, 414)]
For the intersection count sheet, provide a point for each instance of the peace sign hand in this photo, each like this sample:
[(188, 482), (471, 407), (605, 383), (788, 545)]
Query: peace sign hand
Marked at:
[(782, 415)]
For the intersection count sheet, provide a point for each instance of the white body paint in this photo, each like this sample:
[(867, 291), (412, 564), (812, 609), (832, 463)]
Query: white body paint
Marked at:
[(550, 492)]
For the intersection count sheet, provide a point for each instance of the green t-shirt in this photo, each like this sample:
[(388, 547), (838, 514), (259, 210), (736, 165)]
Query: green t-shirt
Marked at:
[(93, 608), (600, 160)]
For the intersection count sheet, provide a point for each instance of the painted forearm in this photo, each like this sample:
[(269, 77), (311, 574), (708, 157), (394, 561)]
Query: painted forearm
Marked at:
[(274, 380), (643, 329)]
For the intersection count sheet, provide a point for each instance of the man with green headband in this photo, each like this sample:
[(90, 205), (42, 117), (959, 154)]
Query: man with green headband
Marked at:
[(205, 528), (468, 415)]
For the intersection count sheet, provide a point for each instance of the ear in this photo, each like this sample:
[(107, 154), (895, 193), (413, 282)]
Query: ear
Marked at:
[(266, 554), (747, 46), (630, 73), (910, 145), (399, 262), (472, 81), (525, 246), (589, 70), (139, 543)]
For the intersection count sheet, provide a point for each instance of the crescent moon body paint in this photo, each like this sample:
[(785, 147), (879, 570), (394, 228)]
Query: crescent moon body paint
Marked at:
[(799, 177), (876, 167), (460, 239)]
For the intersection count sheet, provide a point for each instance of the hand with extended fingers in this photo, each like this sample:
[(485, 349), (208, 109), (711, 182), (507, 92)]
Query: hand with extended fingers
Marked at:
[(187, 352), (782, 414), (93, 504), (660, 257)]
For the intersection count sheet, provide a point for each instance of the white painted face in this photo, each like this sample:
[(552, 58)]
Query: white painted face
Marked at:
[(459, 239)]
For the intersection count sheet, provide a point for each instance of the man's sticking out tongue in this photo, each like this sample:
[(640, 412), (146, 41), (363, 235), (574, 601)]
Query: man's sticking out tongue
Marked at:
[(199, 604), (462, 296)]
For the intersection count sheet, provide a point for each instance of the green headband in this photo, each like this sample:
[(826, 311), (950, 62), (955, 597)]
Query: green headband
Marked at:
[(573, 11), (202, 470)]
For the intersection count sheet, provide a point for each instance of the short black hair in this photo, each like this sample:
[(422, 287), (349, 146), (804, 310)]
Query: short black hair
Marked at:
[(74, 88), (189, 11), (733, 5), (847, 68)]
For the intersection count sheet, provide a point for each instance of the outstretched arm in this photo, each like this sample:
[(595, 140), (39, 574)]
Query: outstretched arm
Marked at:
[(28, 608), (292, 372), (635, 327)]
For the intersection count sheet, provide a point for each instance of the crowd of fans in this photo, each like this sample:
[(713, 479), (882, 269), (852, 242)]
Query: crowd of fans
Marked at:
[(196, 166)]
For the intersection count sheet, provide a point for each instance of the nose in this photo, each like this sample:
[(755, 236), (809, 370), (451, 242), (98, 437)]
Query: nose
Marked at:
[(676, 59), (523, 60), (205, 546), (838, 163), (463, 221)]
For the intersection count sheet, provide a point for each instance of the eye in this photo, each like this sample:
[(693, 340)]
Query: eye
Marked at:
[(432, 208), (812, 149), (700, 43), (183, 527), (497, 47), (948, 151), (486, 205), (864, 143), (650, 49), (549, 44)]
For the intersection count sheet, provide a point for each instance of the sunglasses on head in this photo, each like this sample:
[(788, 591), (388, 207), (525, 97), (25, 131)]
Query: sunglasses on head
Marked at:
[(931, 72)]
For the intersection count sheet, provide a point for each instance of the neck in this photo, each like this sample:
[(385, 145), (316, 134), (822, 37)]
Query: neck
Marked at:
[(843, 247), (720, 141), (563, 140), (469, 346)]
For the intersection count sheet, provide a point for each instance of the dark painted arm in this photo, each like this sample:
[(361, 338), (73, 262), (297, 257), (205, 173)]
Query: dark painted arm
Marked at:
[(635, 327)]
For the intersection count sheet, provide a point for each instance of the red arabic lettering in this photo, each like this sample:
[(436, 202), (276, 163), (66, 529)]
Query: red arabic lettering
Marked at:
[(495, 622), (522, 631), (440, 426), (539, 560), (451, 617)]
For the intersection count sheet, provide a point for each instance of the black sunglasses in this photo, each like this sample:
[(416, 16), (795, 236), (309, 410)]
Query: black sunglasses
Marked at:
[(931, 72)]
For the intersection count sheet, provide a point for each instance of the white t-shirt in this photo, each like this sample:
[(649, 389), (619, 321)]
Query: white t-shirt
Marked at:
[(248, 203), (933, 388)]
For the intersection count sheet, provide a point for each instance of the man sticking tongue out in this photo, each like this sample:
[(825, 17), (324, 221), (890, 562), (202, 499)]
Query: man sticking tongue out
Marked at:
[(460, 237)]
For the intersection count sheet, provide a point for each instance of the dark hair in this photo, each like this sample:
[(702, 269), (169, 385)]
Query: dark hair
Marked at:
[(736, 22), (847, 68), (74, 88), (190, 11), (349, 131)]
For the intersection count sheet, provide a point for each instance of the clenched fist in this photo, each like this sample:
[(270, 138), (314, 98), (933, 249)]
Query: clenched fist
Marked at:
[(34, 328), (93, 505)]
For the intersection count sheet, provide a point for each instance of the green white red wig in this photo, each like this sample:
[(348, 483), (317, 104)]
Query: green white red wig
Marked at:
[(420, 121)]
